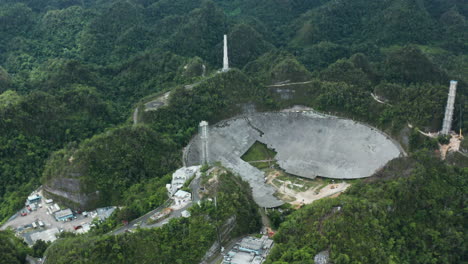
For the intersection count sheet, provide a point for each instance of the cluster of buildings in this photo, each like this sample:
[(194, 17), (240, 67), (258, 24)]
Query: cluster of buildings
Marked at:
[(33, 202), (250, 250), (181, 198), (64, 215), (42, 219), (180, 177)]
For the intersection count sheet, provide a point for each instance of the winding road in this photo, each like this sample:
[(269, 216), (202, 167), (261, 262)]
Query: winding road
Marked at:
[(141, 221), (289, 84), (163, 99)]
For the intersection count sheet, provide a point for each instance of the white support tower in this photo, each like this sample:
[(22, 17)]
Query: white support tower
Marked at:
[(225, 57), (447, 125), (203, 130)]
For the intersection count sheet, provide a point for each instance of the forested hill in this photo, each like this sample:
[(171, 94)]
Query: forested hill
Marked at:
[(414, 216), (73, 71)]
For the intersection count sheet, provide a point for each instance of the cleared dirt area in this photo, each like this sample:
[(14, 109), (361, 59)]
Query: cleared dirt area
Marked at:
[(299, 191), (453, 145)]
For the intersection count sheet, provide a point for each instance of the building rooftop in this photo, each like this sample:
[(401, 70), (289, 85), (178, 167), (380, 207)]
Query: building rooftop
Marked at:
[(186, 214), (54, 208), (180, 176), (249, 250), (181, 194), (251, 243), (63, 213), (34, 197), (185, 172)]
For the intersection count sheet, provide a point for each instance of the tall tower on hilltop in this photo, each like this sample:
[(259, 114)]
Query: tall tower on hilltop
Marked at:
[(225, 57), (447, 125), (203, 130)]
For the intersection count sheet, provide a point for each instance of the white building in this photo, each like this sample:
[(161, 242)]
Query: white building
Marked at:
[(64, 215), (33, 199), (181, 197), (250, 250), (180, 176), (53, 208), (186, 214)]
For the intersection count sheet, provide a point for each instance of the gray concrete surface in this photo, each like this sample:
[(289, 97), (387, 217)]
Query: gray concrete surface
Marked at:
[(308, 144), (158, 102)]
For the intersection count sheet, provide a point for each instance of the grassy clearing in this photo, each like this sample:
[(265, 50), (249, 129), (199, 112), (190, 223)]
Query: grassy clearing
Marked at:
[(258, 151), (263, 165)]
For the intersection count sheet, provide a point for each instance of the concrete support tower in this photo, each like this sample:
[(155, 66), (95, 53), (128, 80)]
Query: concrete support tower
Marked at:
[(447, 125), (225, 57), (203, 131)]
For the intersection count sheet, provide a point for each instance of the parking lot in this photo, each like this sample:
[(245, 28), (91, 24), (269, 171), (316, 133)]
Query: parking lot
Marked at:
[(23, 225)]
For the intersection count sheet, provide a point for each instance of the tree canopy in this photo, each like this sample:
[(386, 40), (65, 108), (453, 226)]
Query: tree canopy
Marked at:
[(72, 73)]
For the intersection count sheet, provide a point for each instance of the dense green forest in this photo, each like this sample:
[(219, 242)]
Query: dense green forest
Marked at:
[(72, 72), (415, 216), (13, 250), (109, 164)]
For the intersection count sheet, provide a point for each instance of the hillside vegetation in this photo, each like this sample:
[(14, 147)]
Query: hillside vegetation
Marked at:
[(102, 168), (89, 62), (13, 250), (72, 73), (418, 218)]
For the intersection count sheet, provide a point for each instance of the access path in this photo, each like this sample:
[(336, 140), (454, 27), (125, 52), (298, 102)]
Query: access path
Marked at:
[(141, 221)]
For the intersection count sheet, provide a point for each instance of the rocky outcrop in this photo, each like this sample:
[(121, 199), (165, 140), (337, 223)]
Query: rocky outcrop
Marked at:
[(322, 257), (99, 170), (69, 192)]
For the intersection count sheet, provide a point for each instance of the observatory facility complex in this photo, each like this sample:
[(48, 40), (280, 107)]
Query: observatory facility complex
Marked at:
[(308, 144)]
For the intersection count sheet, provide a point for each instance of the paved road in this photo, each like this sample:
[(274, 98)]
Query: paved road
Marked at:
[(163, 99), (288, 84), (141, 221)]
